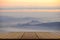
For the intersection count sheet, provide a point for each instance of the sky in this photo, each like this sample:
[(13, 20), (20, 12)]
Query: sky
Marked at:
[(29, 3), (45, 9)]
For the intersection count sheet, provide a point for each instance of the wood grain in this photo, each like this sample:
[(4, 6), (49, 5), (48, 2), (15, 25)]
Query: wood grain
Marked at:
[(30, 35), (47, 35), (12, 35)]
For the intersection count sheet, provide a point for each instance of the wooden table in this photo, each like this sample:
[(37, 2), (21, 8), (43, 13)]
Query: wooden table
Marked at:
[(30, 35)]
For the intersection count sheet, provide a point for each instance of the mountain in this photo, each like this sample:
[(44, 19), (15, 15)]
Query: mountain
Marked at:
[(27, 21), (42, 24), (11, 21), (51, 25), (38, 23), (30, 23)]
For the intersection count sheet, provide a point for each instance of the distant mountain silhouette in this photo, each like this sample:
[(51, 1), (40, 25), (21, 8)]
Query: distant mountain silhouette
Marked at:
[(52, 25), (38, 23), (29, 21)]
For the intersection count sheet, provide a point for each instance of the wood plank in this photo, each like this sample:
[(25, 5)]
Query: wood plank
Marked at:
[(42, 35), (56, 34), (47, 35), (13, 35), (29, 35), (52, 36)]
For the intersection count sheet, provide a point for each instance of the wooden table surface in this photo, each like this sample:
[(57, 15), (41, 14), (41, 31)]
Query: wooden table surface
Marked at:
[(30, 35)]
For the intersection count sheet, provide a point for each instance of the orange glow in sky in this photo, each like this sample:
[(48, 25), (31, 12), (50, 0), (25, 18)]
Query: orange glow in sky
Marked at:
[(29, 3), (29, 10)]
